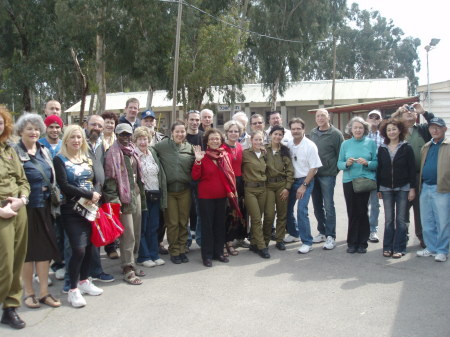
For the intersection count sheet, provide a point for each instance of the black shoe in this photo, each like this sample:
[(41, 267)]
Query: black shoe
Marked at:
[(184, 258), (264, 253), (280, 246), (222, 258), (362, 250), (351, 250), (11, 318), (175, 259), (253, 248), (207, 262)]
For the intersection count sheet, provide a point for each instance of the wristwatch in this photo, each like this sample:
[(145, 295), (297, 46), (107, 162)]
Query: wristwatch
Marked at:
[(305, 184), (25, 199)]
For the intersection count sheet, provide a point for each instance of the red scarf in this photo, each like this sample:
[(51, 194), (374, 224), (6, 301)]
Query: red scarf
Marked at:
[(224, 164)]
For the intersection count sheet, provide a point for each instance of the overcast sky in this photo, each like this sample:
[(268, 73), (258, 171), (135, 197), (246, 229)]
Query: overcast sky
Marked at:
[(424, 20)]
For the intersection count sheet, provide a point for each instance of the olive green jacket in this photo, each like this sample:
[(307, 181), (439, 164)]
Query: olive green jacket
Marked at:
[(279, 166), (13, 181), (177, 161), (253, 168)]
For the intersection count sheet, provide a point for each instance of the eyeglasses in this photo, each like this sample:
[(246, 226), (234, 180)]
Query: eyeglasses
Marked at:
[(374, 117), (193, 112), (124, 134), (257, 123)]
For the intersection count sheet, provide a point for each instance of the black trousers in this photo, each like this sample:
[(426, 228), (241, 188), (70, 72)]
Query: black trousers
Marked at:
[(358, 218), (212, 219), (78, 231)]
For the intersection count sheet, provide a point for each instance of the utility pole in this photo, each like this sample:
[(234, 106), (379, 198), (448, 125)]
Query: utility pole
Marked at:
[(177, 56)]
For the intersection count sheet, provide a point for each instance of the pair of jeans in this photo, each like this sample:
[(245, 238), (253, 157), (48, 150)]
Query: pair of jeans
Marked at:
[(195, 210), (300, 227), (434, 211), (395, 206), (374, 211), (149, 247), (78, 231), (323, 202)]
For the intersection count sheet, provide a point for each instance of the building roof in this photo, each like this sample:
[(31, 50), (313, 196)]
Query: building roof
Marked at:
[(370, 89), (369, 106)]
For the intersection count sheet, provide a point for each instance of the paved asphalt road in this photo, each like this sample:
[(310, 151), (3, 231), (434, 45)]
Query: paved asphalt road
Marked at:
[(323, 293)]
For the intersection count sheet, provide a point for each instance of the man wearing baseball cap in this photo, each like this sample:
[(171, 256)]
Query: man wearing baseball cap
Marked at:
[(435, 192), (148, 119), (374, 119)]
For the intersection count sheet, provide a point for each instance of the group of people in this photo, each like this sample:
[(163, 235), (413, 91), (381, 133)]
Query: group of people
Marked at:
[(227, 189)]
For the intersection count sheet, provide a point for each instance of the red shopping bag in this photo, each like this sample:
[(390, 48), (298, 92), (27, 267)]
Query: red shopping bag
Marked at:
[(107, 226)]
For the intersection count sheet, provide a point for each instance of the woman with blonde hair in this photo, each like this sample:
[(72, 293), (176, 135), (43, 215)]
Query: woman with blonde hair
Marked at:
[(75, 177)]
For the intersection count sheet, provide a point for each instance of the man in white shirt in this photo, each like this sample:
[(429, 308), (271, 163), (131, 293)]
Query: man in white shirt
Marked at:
[(306, 161)]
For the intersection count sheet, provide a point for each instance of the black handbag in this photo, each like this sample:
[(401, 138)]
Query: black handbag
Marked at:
[(153, 195)]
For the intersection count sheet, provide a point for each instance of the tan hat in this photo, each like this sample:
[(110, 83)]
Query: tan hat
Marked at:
[(124, 127)]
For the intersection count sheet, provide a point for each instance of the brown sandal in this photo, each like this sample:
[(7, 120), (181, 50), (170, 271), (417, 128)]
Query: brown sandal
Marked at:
[(31, 301), (50, 301), (225, 251), (387, 253), (131, 278), (231, 250)]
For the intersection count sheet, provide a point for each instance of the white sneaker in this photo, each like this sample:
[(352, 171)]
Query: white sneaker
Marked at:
[(159, 262), (49, 280), (59, 274), (244, 243), (440, 258), (373, 237), (330, 243), (148, 264), (290, 238), (304, 249), (319, 238), (87, 287), (76, 299), (424, 253)]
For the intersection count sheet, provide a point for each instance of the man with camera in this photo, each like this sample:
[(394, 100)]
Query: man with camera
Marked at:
[(417, 136)]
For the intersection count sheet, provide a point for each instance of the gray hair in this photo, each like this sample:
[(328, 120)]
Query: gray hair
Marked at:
[(348, 128), (32, 118), (227, 126), (241, 114), (256, 116), (206, 110)]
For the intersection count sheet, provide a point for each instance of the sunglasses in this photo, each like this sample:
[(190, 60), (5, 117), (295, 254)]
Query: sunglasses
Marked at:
[(374, 117)]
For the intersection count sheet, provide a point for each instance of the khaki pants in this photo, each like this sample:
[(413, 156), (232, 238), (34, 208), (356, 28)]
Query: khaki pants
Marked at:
[(255, 200), (176, 217), (273, 199), (129, 241), (13, 249)]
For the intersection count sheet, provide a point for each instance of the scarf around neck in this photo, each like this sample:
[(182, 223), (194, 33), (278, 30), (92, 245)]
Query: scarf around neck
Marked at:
[(115, 168), (224, 164)]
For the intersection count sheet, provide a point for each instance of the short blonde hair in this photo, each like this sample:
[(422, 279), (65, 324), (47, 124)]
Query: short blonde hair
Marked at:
[(142, 131), (67, 134)]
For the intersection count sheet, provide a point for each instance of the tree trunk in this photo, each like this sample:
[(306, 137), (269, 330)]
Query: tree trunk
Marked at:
[(100, 73), (333, 86), (84, 85), (149, 97), (274, 94)]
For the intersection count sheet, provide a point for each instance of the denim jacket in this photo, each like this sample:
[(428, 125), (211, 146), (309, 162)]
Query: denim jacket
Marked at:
[(37, 196)]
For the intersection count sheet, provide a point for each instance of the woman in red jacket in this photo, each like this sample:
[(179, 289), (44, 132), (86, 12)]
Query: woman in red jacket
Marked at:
[(216, 182)]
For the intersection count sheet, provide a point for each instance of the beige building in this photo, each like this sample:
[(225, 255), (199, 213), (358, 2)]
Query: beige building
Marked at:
[(296, 101)]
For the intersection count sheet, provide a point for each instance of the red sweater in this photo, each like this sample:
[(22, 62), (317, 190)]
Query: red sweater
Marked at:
[(235, 155), (211, 185)]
